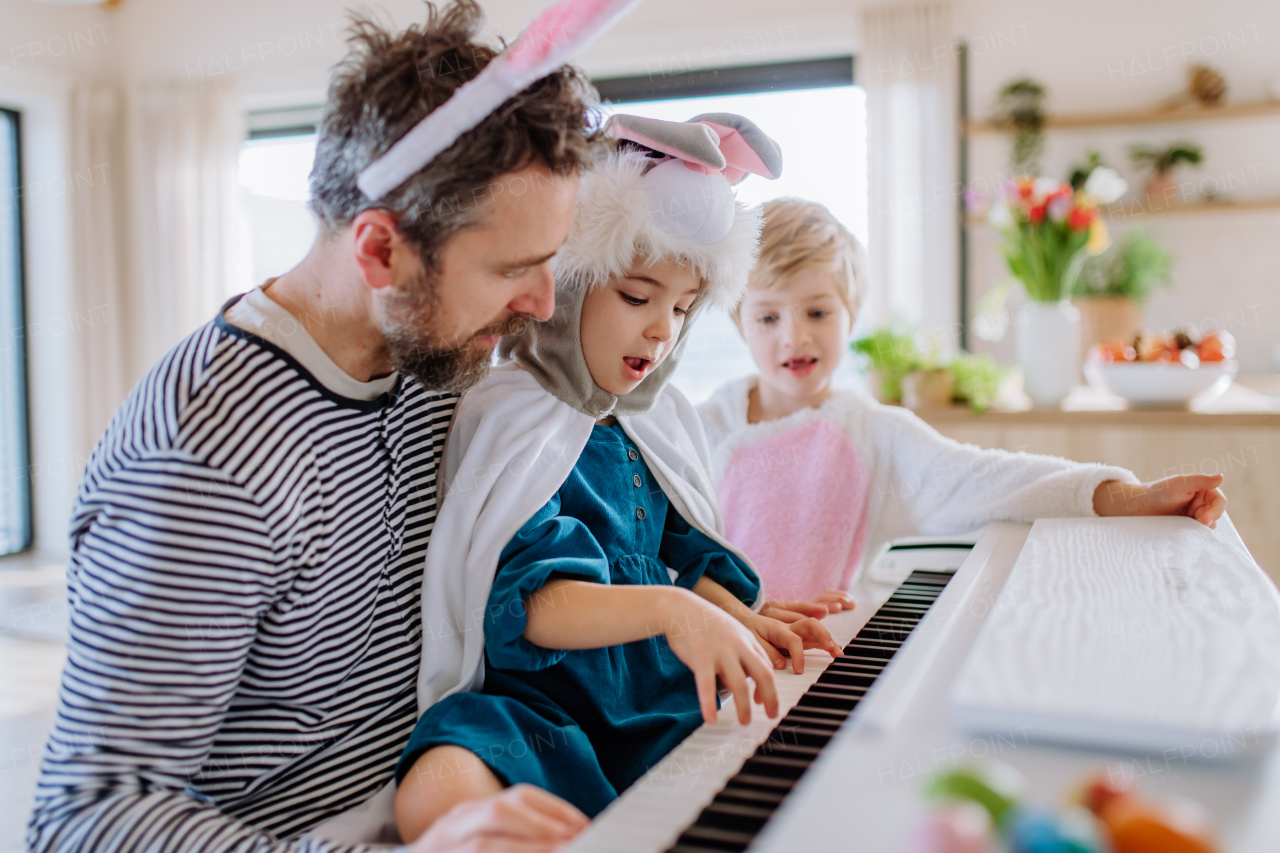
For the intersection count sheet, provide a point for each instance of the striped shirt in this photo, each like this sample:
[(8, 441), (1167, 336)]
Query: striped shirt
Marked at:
[(247, 553)]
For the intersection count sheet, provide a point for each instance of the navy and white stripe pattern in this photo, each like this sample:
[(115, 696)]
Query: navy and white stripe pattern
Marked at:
[(246, 630)]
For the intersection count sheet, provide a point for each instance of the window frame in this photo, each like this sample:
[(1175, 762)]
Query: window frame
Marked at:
[(827, 72), (20, 482)]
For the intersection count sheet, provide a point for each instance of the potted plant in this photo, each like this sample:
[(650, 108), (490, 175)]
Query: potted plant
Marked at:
[(1114, 286), (1020, 108), (975, 380), (899, 373), (1048, 231), (1161, 188), (891, 354)]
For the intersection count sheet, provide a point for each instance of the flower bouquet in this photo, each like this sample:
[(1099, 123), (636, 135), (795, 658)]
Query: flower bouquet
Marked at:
[(1048, 229)]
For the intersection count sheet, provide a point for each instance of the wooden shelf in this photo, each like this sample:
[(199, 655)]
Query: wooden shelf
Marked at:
[(1129, 209), (1239, 406), (1133, 117), (1135, 208)]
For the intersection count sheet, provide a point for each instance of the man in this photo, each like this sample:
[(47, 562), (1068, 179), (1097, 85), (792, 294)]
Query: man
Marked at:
[(247, 546)]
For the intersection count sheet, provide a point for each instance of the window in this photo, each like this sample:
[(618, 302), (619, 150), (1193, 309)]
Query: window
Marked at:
[(15, 485), (817, 116), (811, 108), (277, 228)]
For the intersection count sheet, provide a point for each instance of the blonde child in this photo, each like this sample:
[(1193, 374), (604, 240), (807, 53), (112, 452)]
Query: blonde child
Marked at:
[(580, 524), (814, 479)]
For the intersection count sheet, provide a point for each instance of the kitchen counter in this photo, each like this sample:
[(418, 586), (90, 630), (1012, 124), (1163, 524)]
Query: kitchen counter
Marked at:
[(1236, 435)]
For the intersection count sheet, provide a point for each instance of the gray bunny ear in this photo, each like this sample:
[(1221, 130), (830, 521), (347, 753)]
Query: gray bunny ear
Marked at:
[(745, 146), (695, 143)]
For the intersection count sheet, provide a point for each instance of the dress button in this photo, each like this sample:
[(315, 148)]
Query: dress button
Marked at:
[(632, 455), (635, 478), (640, 513)]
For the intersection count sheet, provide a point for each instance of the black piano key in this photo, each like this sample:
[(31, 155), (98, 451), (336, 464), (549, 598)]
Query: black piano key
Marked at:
[(734, 811), (724, 839), (799, 717), (832, 688), (828, 700), (789, 750), (871, 649), (777, 766), (849, 663), (743, 793), (797, 735), (845, 679), (738, 812), (757, 780), (885, 631)]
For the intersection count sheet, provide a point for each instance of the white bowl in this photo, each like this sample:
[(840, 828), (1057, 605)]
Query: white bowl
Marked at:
[(1154, 383)]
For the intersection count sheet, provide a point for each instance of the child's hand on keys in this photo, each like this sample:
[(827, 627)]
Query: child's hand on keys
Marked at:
[(831, 601), (713, 645), (795, 637)]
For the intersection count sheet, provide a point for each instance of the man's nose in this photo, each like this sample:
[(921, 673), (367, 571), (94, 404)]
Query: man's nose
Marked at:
[(539, 299)]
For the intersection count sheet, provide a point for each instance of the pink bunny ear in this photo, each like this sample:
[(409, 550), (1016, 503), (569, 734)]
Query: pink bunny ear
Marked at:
[(745, 146), (552, 40), (740, 157), (560, 32)]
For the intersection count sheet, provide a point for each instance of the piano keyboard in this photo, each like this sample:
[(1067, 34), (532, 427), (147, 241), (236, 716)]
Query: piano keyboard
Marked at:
[(701, 772), (732, 820)]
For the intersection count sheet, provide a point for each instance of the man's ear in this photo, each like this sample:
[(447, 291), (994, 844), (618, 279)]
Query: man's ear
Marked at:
[(375, 239)]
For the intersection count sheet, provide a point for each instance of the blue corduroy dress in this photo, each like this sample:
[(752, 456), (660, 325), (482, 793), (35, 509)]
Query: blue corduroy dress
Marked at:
[(584, 724)]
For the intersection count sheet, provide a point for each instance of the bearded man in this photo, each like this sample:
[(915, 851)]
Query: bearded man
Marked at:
[(248, 540)]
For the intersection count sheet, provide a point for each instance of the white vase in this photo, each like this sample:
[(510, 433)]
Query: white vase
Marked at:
[(1048, 350)]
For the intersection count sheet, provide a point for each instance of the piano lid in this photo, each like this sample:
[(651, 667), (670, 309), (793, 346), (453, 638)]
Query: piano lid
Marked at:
[(1131, 633)]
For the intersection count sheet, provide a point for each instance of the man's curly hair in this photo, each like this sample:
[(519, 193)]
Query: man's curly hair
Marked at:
[(389, 81)]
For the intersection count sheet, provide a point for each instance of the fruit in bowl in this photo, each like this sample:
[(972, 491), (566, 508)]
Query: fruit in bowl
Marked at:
[(1156, 369)]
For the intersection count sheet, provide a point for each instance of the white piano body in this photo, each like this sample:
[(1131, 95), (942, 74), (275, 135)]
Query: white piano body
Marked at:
[(864, 789)]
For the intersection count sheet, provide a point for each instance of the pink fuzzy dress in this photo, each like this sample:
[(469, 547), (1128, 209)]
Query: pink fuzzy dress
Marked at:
[(812, 473), (811, 496)]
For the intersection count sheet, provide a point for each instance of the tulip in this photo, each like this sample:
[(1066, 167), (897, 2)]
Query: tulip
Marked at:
[(1099, 239), (1061, 204), (1105, 185)]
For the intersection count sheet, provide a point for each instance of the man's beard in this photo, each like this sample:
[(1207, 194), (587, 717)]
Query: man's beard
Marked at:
[(447, 363)]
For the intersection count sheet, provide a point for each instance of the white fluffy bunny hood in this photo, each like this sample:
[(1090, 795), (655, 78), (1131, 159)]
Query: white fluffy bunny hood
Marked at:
[(664, 193), (617, 219)]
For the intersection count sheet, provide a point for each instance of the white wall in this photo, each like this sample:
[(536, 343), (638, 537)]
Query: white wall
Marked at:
[(1098, 56), (43, 50)]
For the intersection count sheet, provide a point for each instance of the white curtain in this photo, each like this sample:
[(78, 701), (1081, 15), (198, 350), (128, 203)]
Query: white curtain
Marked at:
[(101, 307), (184, 141), (910, 74)]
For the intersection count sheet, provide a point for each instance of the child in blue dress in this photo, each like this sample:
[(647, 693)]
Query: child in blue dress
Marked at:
[(579, 530)]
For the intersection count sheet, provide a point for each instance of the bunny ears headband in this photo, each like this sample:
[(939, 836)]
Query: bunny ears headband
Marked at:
[(668, 195), (551, 41)]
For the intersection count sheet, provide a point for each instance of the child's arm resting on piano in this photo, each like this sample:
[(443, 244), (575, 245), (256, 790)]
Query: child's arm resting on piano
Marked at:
[(571, 614), (1195, 496)]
